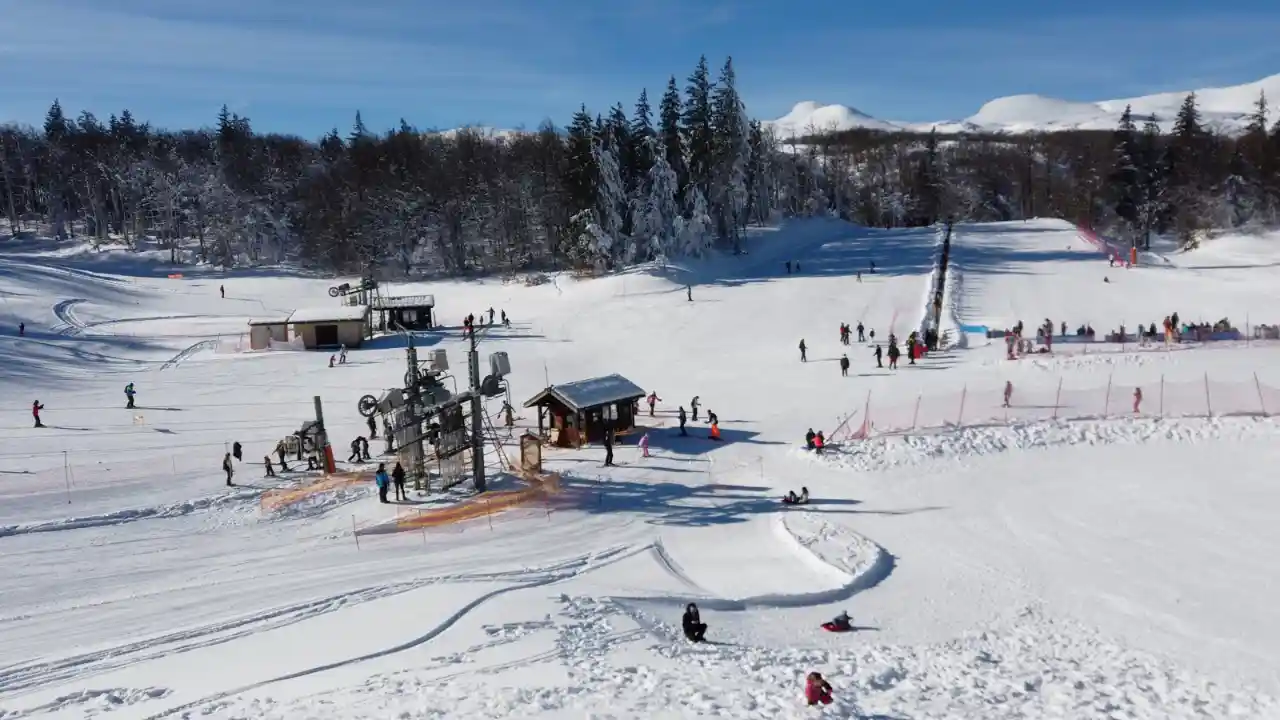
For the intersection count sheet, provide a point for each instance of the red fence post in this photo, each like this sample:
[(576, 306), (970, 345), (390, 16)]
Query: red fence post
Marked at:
[(1207, 404), (1261, 403), (1057, 400), (963, 394), (1106, 408)]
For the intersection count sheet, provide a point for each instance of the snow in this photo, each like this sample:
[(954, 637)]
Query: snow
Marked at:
[(1061, 558), (335, 313), (1226, 109)]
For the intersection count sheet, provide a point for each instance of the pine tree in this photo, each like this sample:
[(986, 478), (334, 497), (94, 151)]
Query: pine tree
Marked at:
[(642, 133), (611, 202), (579, 177), (655, 214), (56, 126), (670, 111), (731, 154), (929, 191), (1152, 207), (1124, 179), (695, 232), (1185, 168), (697, 130)]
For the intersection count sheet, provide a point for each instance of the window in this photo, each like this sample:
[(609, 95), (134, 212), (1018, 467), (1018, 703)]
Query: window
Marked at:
[(409, 316)]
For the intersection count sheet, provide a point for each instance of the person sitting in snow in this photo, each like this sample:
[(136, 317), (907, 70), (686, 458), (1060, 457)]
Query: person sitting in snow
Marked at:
[(819, 442), (793, 499), (808, 439), (694, 628), (841, 622), (817, 690)]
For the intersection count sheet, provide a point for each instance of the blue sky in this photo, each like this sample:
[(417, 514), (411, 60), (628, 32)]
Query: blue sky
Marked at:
[(303, 66)]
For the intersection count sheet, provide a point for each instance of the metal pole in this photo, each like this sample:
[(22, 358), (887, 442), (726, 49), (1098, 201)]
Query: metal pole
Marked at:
[(412, 426), (322, 438), (1261, 403), (66, 474), (477, 412), (1207, 404), (1057, 400), (1106, 408)]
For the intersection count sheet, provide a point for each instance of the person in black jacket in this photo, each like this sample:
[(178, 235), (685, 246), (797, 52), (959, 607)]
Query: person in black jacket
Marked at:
[(694, 628), (397, 478)]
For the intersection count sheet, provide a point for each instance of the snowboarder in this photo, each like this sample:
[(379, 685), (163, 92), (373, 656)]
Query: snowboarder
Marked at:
[(266, 460), (694, 628), (688, 291), (373, 427), (222, 290), (397, 477), (128, 394), (844, 365), (682, 417), (862, 336), (354, 457), (36, 407), (22, 329), (808, 439), (608, 447), (879, 357), (226, 468), (653, 400), (1137, 400), (715, 431), (383, 482), (817, 690), (237, 452), (803, 349), (1008, 392), (693, 405)]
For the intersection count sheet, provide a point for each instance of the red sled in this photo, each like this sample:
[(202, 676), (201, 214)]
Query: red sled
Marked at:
[(832, 627)]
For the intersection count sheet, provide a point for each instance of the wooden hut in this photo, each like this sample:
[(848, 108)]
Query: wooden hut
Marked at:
[(263, 332), (329, 327), (579, 412), (412, 312)]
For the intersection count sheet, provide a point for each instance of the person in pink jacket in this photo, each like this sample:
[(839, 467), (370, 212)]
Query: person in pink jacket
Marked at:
[(644, 445), (817, 690)]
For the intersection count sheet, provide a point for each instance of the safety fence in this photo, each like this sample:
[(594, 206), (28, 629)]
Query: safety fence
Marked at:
[(979, 405)]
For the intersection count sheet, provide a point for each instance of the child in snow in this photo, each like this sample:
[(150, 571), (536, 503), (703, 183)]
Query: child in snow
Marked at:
[(694, 628), (36, 407), (817, 690), (644, 445), (1137, 400)]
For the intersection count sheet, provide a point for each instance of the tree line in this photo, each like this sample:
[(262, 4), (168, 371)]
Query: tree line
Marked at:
[(609, 190)]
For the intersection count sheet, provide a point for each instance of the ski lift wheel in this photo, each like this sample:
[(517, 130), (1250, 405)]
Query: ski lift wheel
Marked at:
[(368, 405), (410, 379), (333, 292)]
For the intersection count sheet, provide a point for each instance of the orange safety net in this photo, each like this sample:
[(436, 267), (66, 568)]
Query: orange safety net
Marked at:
[(275, 499)]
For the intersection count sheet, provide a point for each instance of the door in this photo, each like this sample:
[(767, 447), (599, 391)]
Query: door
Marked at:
[(326, 335)]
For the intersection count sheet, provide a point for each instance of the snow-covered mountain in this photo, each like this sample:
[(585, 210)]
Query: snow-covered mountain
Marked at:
[(1226, 109)]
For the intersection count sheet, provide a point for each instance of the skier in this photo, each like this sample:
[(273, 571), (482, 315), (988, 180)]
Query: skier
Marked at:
[(1137, 400), (1008, 392), (788, 267), (894, 352), (280, 452), (342, 354), (491, 315), (223, 291), (354, 457), (36, 407), (803, 356), (808, 439), (237, 452), (364, 449), (382, 481), (817, 690), (373, 427), (911, 349), (653, 400), (693, 405), (879, 357), (505, 321), (397, 477), (862, 336), (688, 290), (128, 394), (266, 460), (608, 447), (226, 467), (682, 419), (694, 628), (844, 365), (644, 445), (873, 267), (22, 329), (859, 276)]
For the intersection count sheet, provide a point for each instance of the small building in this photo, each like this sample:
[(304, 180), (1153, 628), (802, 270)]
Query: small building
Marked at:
[(576, 413), (412, 312), (329, 327), (266, 331)]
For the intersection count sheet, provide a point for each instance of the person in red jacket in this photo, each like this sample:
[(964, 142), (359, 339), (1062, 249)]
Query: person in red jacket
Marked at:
[(817, 690), (36, 407)]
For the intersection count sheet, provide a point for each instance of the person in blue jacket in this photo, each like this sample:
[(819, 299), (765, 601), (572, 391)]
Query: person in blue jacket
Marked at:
[(383, 480)]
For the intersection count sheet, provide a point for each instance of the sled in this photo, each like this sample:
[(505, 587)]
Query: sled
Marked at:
[(832, 627)]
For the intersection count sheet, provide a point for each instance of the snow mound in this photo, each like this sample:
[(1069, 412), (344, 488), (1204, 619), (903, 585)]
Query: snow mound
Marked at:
[(1030, 113), (896, 451), (810, 117)]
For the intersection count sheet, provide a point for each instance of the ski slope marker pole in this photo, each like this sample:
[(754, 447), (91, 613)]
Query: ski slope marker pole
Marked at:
[(1261, 403)]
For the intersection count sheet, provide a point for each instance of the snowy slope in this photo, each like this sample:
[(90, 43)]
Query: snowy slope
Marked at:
[(1225, 108), (1073, 569)]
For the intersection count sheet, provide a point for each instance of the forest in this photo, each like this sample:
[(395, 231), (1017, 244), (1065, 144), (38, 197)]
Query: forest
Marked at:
[(608, 190)]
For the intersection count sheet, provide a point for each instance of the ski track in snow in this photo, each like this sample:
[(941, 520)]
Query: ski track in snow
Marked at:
[(188, 352), (234, 500), (65, 312)]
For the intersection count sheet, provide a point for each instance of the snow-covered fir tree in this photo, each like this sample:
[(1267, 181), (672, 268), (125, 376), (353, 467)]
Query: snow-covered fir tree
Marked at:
[(611, 205), (730, 159), (655, 212), (696, 128)]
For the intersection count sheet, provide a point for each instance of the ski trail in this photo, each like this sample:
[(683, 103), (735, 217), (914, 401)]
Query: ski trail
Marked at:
[(64, 311), (180, 357)]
